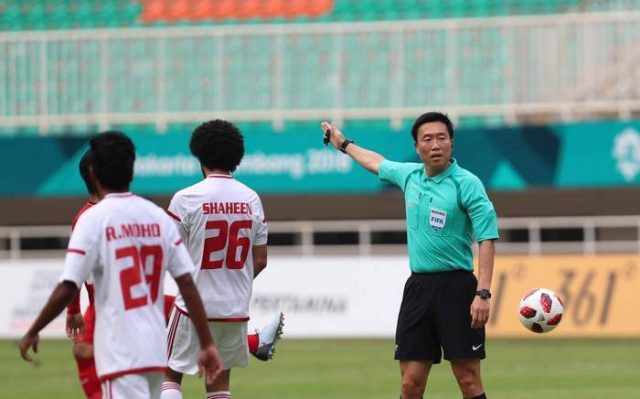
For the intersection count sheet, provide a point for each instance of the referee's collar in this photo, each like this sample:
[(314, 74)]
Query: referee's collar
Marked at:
[(442, 175)]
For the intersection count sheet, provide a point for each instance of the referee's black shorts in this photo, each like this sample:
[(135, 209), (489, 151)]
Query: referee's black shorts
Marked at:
[(435, 317)]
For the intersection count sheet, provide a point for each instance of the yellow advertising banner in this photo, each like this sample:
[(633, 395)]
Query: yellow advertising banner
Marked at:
[(601, 294)]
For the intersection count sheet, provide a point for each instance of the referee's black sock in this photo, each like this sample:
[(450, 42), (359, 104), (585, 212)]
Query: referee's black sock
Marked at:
[(481, 396)]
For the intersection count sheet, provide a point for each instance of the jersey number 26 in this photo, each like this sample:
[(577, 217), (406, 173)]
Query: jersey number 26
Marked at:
[(227, 237)]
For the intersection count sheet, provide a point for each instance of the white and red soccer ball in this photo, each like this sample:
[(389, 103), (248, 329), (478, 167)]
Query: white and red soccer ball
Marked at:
[(541, 310)]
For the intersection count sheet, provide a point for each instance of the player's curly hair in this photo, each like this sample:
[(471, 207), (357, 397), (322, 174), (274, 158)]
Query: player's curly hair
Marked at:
[(217, 144), (84, 166), (113, 155)]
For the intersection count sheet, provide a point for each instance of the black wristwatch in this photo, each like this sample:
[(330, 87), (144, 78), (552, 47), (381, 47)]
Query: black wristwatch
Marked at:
[(344, 145), (484, 294)]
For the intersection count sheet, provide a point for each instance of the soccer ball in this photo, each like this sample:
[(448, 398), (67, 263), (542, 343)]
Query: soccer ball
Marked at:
[(541, 310)]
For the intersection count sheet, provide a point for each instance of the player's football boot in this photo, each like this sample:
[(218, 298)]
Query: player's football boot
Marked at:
[(269, 337)]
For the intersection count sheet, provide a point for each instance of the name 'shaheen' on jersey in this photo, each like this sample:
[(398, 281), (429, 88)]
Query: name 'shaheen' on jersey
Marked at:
[(133, 230), (241, 208)]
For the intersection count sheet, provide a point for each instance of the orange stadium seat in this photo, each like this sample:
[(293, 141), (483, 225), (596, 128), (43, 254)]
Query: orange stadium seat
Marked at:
[(153, 10), (178, 10), (203, 10), (270, 9), (248, 9)]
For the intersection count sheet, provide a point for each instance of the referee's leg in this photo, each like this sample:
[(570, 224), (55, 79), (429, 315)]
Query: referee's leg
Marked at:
[(467, 373), (414, 378)]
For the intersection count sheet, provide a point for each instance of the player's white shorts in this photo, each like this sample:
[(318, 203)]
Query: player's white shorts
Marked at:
[(133, 386), (183, 345)]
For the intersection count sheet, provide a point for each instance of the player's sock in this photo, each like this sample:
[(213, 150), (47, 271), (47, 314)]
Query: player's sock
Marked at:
[(253, 341), (481, 396), (219, 395), (171, 390), (88, 377)]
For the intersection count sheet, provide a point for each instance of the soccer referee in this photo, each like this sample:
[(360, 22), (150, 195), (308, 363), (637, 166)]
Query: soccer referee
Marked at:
[(444, 307)]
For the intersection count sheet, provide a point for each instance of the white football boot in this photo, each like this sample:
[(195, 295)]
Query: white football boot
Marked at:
[(269, 337)]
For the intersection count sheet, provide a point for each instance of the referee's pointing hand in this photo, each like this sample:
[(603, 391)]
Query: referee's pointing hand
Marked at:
[(332, 133)]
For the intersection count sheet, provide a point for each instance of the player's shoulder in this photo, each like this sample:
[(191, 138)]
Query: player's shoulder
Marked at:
[(232, 187), (246, 189), (190, 190), (90, 216), (92, 211), (188, 194)]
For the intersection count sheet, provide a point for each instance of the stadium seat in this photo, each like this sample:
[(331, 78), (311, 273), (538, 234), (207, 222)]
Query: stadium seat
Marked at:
[(248, 66)]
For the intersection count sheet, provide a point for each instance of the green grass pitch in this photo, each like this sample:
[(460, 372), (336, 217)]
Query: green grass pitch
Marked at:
[(359, 369)]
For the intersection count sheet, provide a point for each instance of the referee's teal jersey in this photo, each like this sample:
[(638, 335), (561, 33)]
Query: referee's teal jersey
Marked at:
[(445, 213)]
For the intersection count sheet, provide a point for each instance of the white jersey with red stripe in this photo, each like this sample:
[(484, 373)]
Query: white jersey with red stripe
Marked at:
[(127, 243), (221, 220)]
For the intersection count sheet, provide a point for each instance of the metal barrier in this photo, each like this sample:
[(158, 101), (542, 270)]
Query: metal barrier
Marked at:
[(599, 234), (564, 66)]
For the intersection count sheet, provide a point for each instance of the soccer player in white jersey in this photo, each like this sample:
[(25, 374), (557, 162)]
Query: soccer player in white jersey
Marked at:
[(126, 243), (224, 228)]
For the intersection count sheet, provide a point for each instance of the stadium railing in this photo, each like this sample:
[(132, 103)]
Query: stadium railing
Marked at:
[(508, 70), (530, 235)]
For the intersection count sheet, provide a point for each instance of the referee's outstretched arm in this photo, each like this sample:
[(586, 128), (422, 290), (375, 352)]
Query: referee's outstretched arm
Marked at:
[(368, 159)]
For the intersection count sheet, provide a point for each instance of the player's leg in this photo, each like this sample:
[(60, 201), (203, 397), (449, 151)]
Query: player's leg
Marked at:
[(171, 385), (262, 344), (230, 338), (87, 375), (169, 300), (154, 381), (83, 354), (133, 386), (463, 345), (467, 373), (220, 389), (179, 344)]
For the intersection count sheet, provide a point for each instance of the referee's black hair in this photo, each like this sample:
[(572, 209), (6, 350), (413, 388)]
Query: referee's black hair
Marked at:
[(431, 117), (217, 144), (83, 166), (113, 155)]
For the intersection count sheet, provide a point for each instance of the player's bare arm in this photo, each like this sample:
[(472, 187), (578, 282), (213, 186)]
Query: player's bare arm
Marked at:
[(480, 307), (60, 297), (209, 358), (259, 259), (368, 159)]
